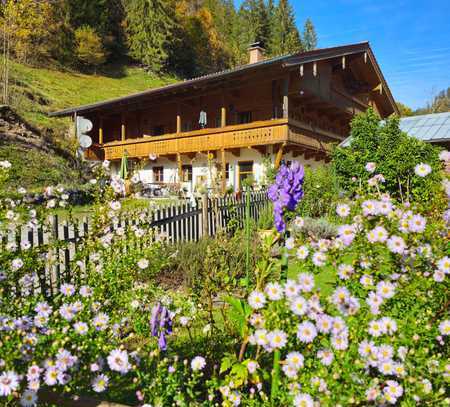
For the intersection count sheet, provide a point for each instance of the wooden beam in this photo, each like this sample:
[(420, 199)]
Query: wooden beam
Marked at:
[(224, 173), (180, 168), (378, 88), (223, 116), (123, 129), (100, 131), (178, 123), (279, 155)]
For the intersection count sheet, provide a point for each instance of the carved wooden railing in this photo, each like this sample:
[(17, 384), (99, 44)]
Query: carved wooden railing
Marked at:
[(260, 133), (230, 137)]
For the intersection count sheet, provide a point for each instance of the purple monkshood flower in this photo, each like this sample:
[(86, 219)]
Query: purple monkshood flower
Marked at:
[(161, 324), (286, 192)]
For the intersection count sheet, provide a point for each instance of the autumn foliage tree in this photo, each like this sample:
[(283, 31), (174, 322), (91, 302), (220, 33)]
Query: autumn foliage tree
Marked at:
[(189, 37)]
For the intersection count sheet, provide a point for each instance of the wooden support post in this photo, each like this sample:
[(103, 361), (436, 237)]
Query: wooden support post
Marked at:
[(224, 171), (178, 123), (100, 131), (223, 117), (286, 98), (180, 168), (279, 156), (123, 129), (178, 118)]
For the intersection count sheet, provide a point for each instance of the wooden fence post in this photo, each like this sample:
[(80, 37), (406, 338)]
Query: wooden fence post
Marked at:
[(205, 217)]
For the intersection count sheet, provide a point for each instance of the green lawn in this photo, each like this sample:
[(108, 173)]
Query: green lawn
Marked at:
[(42, 90)]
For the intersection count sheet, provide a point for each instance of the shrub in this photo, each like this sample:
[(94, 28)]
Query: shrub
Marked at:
[(395, 156), (321, 191)]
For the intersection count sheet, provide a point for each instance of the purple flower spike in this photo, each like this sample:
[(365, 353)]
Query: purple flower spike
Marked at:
[(162, 341), (161, 324), (286, 192)]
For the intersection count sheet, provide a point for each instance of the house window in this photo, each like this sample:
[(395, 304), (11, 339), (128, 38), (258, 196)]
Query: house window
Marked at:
[(158, 130), (186, 173), (245, 171), (244, 117), (227, 172), (158, 174)]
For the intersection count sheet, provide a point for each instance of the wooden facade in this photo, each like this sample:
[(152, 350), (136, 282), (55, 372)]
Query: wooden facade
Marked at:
[(299, 103)]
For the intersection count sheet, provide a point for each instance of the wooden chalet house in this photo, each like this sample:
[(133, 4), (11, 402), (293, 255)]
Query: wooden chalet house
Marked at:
[(286, 108)]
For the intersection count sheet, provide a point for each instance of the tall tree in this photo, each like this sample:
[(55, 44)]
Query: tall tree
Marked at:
[(309, 36), (89, 47), (149, 25), (285, 37)]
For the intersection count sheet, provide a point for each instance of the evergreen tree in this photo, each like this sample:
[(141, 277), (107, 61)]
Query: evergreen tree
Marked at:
[(285, 38), (149, 25), (256, 22), (309, 36)]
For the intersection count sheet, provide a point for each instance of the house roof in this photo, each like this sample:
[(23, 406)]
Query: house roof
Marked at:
[(433, 128), (286, 61)]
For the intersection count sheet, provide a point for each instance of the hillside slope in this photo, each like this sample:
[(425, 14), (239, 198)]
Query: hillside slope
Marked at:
[(42, 148), (37, 91)]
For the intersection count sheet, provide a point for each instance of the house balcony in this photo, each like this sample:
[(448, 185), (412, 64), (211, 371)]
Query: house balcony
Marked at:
[(284, 133)]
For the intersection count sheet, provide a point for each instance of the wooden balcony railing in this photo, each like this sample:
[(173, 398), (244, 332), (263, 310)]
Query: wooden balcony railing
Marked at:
[(261, 133), (230, 137)]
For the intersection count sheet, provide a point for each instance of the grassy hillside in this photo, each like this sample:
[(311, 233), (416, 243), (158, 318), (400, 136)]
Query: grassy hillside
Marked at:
[(37, 91)]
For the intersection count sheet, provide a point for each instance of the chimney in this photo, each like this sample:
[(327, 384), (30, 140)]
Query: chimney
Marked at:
[(256, 52)]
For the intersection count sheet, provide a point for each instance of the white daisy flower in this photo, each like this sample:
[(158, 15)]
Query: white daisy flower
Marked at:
[(277, 339), (306, 332), (295, 359), (291, 288), (370, 167), (299, 305), (444, 327), (302, 252), (303, 400), (422, 170), (256, 299), (198, 363), (274, 291), (9, 382), (100, 383), (343, 210), (29, 398)]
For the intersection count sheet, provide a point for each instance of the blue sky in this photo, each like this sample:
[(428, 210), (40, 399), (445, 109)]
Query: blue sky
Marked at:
[(410, 39)]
